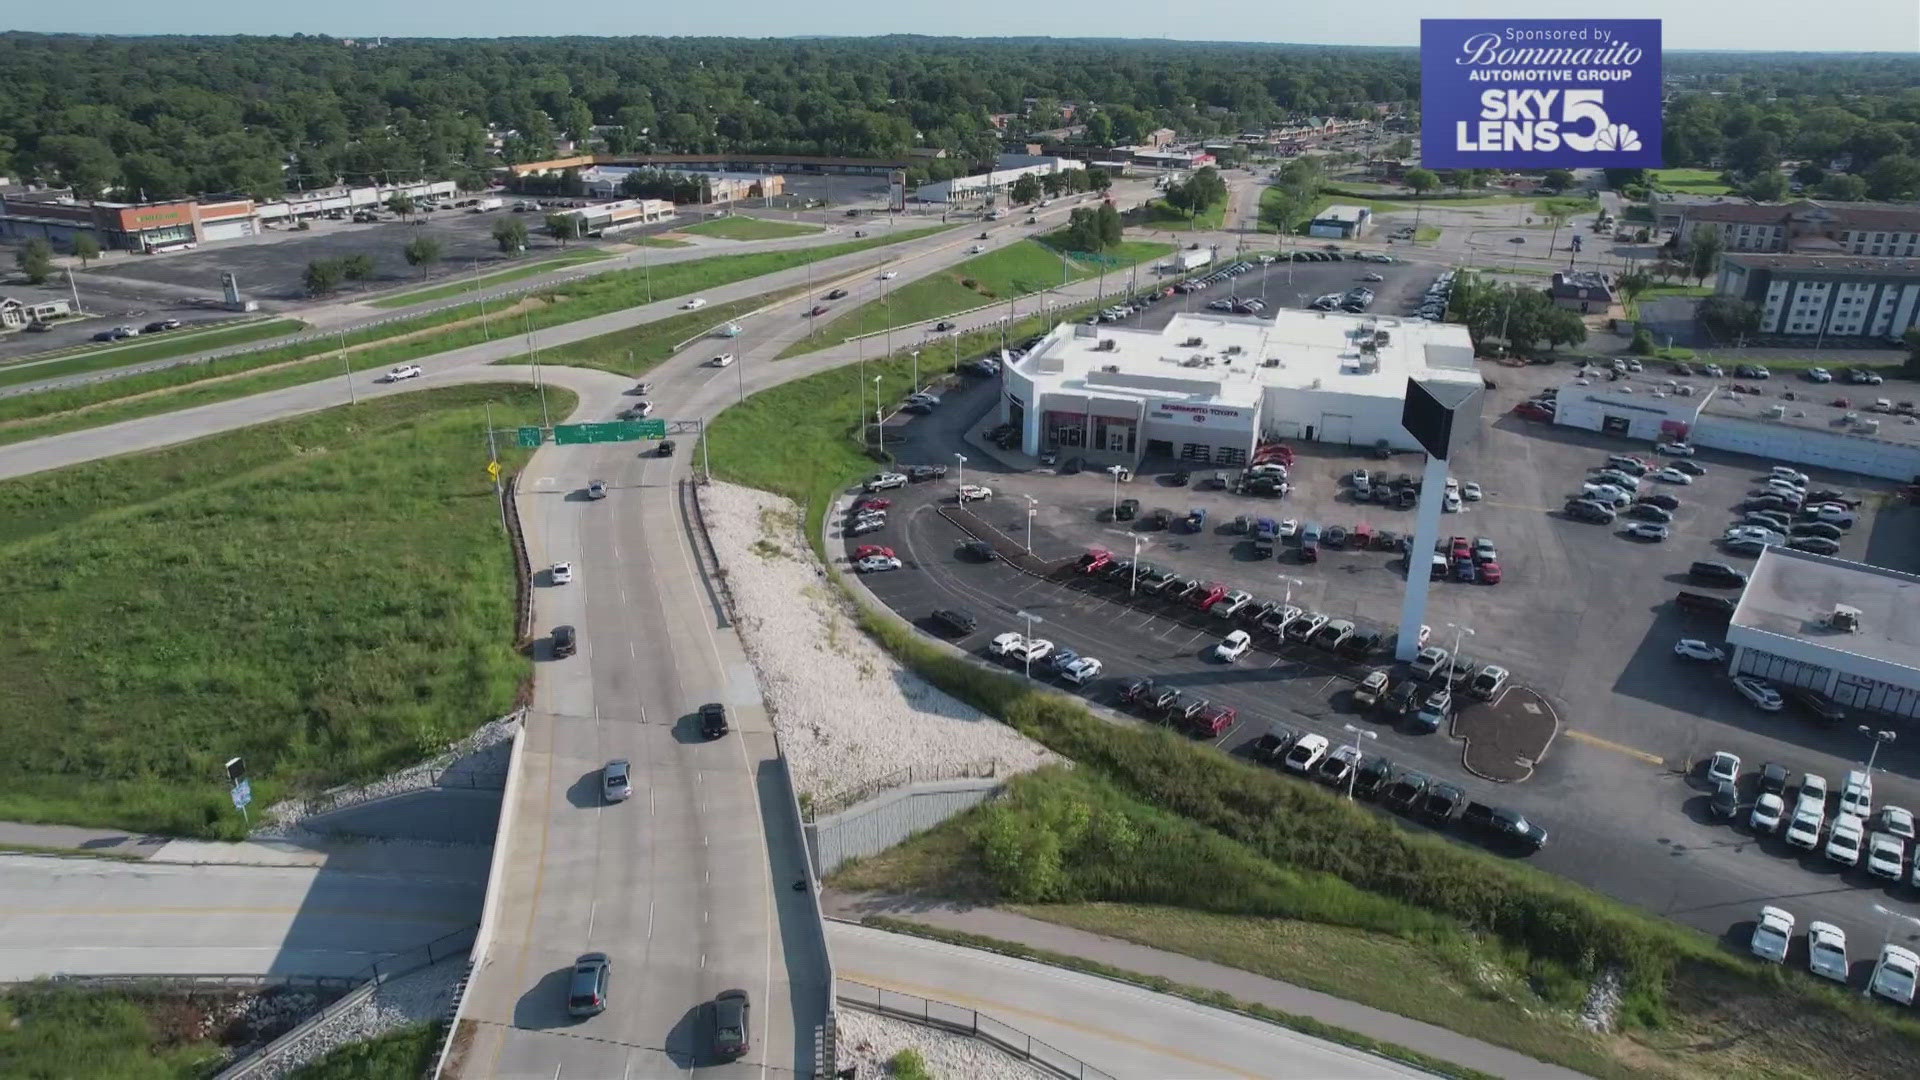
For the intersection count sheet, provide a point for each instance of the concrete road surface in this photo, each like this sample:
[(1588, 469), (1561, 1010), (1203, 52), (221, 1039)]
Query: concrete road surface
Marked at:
[(1120, 1029), (87, 916)]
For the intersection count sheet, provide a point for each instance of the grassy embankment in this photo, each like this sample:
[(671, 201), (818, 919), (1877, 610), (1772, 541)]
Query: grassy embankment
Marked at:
[(329, 597), (32, 416), (398, 1055), (52, 1032), (750, 228), (1158, 215), (1020, 269), (1690, 181), (1191, 842), (573, 258), (85, 358)]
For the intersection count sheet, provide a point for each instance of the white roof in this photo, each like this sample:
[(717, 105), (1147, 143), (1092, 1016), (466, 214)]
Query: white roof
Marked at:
[(1234, 360), (1342, 212), (1790, 594)]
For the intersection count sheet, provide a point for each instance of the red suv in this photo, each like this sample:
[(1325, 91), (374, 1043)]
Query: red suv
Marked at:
[(1212, 720), (1095, 559)]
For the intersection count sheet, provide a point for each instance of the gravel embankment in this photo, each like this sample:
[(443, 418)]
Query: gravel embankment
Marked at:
[(479, 760), (847, 713), (419, 998), (867, 1040)]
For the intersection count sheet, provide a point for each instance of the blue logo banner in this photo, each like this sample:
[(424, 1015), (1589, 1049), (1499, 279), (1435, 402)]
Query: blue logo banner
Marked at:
[(1539, 93)]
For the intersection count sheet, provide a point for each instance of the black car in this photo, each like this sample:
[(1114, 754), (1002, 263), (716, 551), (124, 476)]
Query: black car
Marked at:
[(1650, 512), (1160, 518), (1773, 778), (713, 720), (1137, 691), (1181, 477), (926, 472), (1818, 706), (942, 326), (1713, 607), (565, 641), (1273, 745), (1817, 528), (1439, 803), (978, 550), (837, 294), (1402, 699), (959, 623), (1359, 645), (1503, 826), (1716, 573), (665, 449), (1725, 801), (1664, 502), (1127, 510), (162, 325), (1814, 545), (1373, 776), (1164, 701), (732, 1022), (1405, 789), (1587, 510)]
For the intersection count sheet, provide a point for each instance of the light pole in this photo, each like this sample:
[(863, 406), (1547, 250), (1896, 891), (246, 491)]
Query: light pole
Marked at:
[(1291, 582), (960, 469), (1353, 773), (916, 368), (1031, 619), (1459, 630), (876, 412), (1134, 569), (1880, 738), (1114, 470), (1031, 503)]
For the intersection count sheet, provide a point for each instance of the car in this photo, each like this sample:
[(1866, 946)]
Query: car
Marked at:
[(1450, 503), (587, 986), (1695, 649), (1768, 811), (1898, 821), (596, 489), (1275, 622), (1305, 753), (1758, 534), (1403, 791), (1894, 974), (1370, 690), (1470, 491), (161, 326), (884, 481), (1232, 604), (1803, 829), (1772, 934), (1723, 767), (1815, 528), (1429, 660), (616, 780), (403, 372), (693, 304), (1434, 710), (1488, 682), (1589, 511), (1674, 449), (1716, 573), (1340, 767), (732, 1024), (942, 326), (1845, 840), (1773, 779), (1439, 803), (1691, 468), (1645, 530), (1886, 856), (1856, 794), (1814, 545), (1489, 573), (1208, 720), (974, 492), (955, 621), (713, 720), (1827, 951), (874, 564), (1081, 670), (1725, 800), (1503, 826), (837, 294), (1673, 476), (1650, 513), (1233, 646), (1272, 745), (725, 359), (1303, 628), (1819, 375), (1759, 692), (1033, 650)]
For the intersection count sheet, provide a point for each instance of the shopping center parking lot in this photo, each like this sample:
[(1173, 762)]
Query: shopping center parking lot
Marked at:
[(1583, 615)]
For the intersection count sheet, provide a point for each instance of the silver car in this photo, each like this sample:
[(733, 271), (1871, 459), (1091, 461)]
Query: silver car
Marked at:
[(616, 780)]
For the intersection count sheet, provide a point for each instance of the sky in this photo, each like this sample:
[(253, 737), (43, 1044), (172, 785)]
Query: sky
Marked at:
[(1828, 26)]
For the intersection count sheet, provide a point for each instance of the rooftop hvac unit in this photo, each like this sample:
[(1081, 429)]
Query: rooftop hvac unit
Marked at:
[(1869, 427), (1106, 345), (1111, 369), (1776, 411), (1192, 343), (1844, 619)]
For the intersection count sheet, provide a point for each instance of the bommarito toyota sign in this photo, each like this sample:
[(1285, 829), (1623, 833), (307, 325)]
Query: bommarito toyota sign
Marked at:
[(1539, 93)]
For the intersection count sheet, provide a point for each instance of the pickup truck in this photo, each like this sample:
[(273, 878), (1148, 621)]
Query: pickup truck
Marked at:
[(1502, 825)]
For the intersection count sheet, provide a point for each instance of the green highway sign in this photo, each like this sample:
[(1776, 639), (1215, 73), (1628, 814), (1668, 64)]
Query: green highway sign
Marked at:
[(530, 436), (612, 431)]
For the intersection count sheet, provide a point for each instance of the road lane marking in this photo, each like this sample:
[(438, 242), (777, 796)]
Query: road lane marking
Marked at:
[(1618, 748)]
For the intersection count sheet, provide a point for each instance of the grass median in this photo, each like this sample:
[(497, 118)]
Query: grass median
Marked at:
[(52, 1032), (750, 228), (639, 349), (329, 597), (33, 416), (107, 357), (568, 261), (396, 1055), (1158, 215)]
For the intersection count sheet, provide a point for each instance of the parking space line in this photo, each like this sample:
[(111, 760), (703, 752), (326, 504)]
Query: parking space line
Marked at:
[(1618, 748)]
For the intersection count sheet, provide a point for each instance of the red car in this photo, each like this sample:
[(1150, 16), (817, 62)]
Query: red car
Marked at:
[(1362, 536), (1212, 720), (1462, 549), (872, 504), (1095, 560), (865, 551), (1531, 410), (1209, 596), (1279, 452), (1489, 573)]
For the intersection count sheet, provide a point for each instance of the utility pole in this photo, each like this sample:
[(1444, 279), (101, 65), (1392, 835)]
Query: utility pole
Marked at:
[(538, 383), (74, 289), (345, 362)]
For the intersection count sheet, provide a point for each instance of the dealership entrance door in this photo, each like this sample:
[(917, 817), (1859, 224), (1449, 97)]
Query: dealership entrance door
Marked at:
[(1615, 425)]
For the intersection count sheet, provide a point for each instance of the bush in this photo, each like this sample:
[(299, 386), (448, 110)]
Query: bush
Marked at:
[(909, 1065), (1642, 343), (970, 283)]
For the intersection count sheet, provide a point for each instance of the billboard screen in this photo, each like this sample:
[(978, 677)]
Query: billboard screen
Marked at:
[(1539, 93)]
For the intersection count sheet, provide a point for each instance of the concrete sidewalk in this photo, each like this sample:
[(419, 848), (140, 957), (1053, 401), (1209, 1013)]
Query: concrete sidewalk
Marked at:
[(74, 838), (1243, 985)]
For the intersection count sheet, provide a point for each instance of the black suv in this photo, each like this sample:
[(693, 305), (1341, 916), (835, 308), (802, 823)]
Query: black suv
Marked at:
[(713, 720), (1716, 573), (1271, 747), (1373, 776), (1127, 510), (1505, 826), (960, 623)]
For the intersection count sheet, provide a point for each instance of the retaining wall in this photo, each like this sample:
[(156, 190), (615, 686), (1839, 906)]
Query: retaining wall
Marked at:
[(889, 818)]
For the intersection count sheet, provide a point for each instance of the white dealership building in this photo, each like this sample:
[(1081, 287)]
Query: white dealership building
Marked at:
[(1847, 630), (1207, 389)]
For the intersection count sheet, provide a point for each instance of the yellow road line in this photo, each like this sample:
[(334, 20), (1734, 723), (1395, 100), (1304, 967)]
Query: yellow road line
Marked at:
[(1618, 748)]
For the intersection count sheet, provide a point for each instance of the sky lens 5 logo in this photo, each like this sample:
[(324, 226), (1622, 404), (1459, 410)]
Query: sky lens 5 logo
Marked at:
[(1540, 93)]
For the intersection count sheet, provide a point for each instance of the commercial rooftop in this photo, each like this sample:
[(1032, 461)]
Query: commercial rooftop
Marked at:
[(1791, 593), (1839, 264), (1243, 356), (1819, 414), (1343, 213)]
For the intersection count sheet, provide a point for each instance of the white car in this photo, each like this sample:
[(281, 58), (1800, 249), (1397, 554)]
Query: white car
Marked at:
[(1827, 951), (1768, 811), (725, 359), (1451, 503), (1886, 856), (1772, 934), (404, 371), (1695, 649), (1428, 661), (1233, 646), (1845, 840), (1804, 830), (1082, 671), (1724, 766), (1230, 604), (974, 492), (1289, 528), (1646, 530), (1755, 533), (885, 480), (1897, 820), (1789, 474), (1673, 449), (692, 304), (889, 275), (874, 564), (1033, 650), (1764, 697), (976, 249), (1894, 974), (1470, 491), (1306, 753), (562, 573), (1856, 794), (1834, 514), (1819, 375), (1007, 644), (1673, 476)]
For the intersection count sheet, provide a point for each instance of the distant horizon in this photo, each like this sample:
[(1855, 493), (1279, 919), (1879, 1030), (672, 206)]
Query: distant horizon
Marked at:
[(1844, 27)]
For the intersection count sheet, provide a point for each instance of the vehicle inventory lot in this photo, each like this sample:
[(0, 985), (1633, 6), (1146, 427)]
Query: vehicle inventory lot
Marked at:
[(1583, 614), (1397, 295)]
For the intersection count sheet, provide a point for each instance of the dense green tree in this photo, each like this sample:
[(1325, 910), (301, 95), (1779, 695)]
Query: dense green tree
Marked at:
[(1843, 187), (356, 267), (1617, 179), (1557, 179), (1025, 189), (1895, 176), (1100, 129), (85, 248), (401, 203), (1769, 186), (1421, 181), (563, 227), (422, 251), (1728, 318), (511, 235), (35, 260), (1098, 180), (323, 277), (1809, 173), (1110, 227), (1703, 254)]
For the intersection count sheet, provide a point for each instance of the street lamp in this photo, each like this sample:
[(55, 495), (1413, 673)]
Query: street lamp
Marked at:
[(1291, 582), (1114, 471), (1353, 773), (1880, 738), (1031, 503), (916, 368), (1458, 632), (960, 469), (1031, 619), (1134, 567), (876, 412)]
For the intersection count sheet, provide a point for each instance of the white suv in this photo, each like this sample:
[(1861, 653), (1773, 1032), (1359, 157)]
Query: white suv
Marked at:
[(725, 359), (885, 480)]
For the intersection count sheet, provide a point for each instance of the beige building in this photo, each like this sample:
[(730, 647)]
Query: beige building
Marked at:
[(1808, 227)]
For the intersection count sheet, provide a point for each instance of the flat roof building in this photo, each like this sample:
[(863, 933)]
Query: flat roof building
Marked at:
[(1009, 167), (1847, 630), (1340, 222), (1835, 295), (1207, 389)]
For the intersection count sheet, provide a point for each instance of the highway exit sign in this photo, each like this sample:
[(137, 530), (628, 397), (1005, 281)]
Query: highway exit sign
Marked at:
[(529, 436), (612, 431)]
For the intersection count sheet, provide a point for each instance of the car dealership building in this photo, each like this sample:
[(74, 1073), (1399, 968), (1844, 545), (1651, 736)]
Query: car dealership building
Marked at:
[(1847, 630), (1207, 389)]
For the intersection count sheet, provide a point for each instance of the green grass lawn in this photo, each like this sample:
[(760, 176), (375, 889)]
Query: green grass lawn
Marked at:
[(33, 416), (143, 350), (749, 228), (1691, 181), (1021, 269), (658, 242), (576, 257), (398, 1055), (1158, 215), (329, 597), (1426, 233), (50, 1032), (1565, 204), (635, 351)]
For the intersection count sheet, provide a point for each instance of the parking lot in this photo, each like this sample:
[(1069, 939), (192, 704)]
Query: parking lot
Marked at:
[(1583, 615), (1294, 284)]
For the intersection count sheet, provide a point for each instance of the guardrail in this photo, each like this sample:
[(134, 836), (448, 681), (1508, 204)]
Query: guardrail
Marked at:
[(522, 566), (196, 982), (969, 1022)]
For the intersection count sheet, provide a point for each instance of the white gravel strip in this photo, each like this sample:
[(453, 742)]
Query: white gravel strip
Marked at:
[(847, 714), (480, 759), (419, 998), (867, 1040)]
